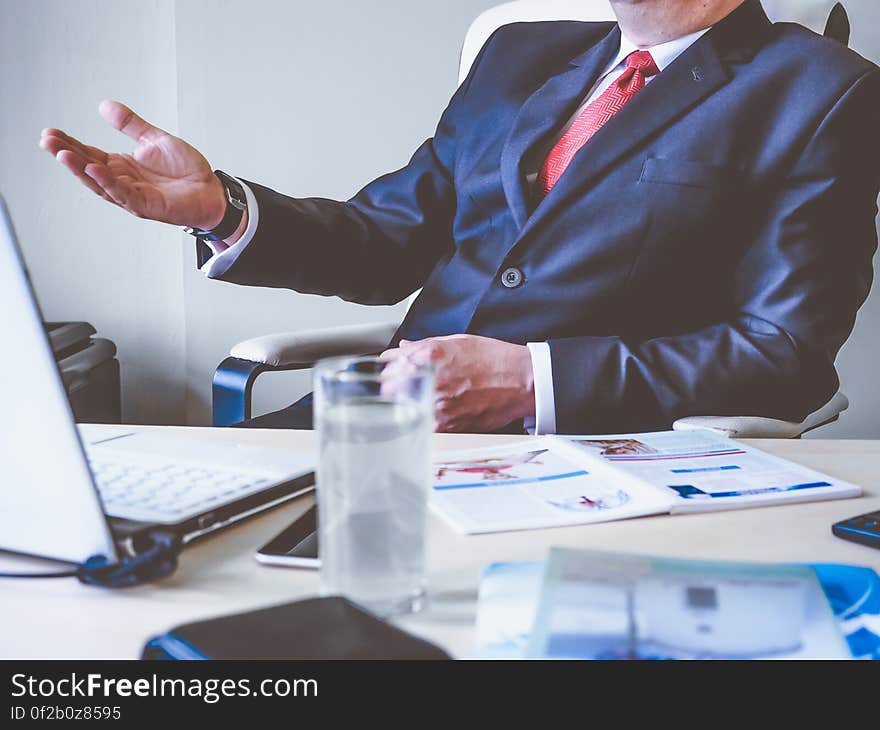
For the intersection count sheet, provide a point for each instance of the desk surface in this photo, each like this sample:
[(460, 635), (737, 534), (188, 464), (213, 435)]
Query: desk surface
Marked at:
[(63, 619)]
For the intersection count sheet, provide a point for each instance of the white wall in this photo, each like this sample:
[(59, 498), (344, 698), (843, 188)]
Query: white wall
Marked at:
[(264, 89), (312, 99), (91, 261)]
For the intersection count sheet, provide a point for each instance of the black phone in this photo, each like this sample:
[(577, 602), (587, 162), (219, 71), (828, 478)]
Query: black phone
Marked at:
[(296, 546), (311, 629), (863, 528)]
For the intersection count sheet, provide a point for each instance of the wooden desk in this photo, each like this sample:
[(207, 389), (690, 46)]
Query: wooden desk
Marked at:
[(63, 619)]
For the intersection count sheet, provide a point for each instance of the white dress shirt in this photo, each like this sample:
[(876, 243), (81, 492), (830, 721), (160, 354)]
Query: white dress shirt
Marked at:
[(545, 403)]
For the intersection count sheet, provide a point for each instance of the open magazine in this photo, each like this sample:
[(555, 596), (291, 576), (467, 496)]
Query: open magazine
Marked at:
[(554, 481)]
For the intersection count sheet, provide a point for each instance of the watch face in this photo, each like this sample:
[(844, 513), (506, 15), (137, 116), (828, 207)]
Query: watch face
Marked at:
[(235, 203), (234, 191)]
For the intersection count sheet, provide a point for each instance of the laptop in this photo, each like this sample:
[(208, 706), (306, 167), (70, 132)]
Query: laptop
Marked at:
[(69, 493)]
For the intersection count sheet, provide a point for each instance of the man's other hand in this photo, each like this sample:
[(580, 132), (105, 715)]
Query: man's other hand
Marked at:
[(481, 384), (164, 179)]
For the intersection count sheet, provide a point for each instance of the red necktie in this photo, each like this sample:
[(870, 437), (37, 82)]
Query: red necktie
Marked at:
[(639, 66)]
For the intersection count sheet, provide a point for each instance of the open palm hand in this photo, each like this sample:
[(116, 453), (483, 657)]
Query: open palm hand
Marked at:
[(164, 179)]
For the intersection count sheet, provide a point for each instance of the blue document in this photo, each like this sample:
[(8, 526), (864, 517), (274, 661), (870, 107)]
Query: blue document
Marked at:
[(509, 597)]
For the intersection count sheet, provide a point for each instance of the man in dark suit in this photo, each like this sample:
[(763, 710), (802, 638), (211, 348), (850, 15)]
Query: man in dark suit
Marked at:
[(615, 224)]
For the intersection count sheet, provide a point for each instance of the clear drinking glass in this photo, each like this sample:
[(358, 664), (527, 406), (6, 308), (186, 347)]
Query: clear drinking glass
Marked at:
[(374, 422)]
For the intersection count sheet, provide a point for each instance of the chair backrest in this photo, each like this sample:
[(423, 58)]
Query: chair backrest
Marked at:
[(814, 14)]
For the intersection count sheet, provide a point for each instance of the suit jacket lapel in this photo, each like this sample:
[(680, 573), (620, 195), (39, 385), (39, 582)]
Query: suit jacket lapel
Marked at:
[(544, 112), (696, 74)]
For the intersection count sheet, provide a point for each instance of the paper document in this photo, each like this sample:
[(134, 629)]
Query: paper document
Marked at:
[(553, 481)]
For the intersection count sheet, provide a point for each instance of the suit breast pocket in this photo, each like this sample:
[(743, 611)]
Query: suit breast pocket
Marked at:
[(690, 174), (688, 199)]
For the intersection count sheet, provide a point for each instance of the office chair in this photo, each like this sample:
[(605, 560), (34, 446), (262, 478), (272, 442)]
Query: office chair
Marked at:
[(235, 377)]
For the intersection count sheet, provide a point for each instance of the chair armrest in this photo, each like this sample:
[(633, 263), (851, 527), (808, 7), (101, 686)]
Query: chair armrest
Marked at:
[(307, 347), (758, 427), (235, 377)]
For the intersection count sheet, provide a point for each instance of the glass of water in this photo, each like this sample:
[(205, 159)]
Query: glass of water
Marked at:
[(374, 422)]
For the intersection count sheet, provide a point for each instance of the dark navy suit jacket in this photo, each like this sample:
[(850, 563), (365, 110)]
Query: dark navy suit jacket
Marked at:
[(704, 254)]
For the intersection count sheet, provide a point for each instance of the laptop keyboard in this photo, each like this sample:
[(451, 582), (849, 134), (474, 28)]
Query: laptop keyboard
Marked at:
[(169, 492)]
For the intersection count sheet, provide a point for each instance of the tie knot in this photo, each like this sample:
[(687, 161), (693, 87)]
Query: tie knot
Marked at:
[(642, 61)]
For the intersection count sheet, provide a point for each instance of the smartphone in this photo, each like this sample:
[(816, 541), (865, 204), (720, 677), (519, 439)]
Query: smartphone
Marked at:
[(863, 528), (296, 546)]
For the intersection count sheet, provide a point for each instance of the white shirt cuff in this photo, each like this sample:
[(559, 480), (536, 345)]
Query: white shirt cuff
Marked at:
[(545, 403), (225, 255)]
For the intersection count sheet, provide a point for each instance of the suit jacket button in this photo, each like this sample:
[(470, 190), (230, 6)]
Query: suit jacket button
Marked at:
[(512, 278)]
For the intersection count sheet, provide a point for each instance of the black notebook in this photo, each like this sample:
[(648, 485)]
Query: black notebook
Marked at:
[(316, 628)]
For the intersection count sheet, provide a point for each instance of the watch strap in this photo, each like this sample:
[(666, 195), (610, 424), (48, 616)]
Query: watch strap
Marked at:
[(236, 205), (204, 252)]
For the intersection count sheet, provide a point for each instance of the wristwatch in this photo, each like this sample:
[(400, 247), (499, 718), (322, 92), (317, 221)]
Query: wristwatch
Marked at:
[(236, 205)]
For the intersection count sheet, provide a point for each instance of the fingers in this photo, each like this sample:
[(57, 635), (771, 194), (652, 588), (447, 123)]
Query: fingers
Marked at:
[(54, 140), (73, 155), (122, 118), (390, 355), (92, 166), (448, 418), (447, 408), (77, 165), (430, 350), (399, 365)]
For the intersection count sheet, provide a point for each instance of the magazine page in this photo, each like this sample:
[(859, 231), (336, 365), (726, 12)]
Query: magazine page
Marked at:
[(598, 605), (701, 470), (530, 484)]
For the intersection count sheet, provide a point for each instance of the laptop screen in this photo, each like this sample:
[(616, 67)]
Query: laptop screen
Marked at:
[(48, 502)]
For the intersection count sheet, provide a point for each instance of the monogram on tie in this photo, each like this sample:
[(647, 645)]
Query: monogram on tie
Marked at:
[(639, 67)]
